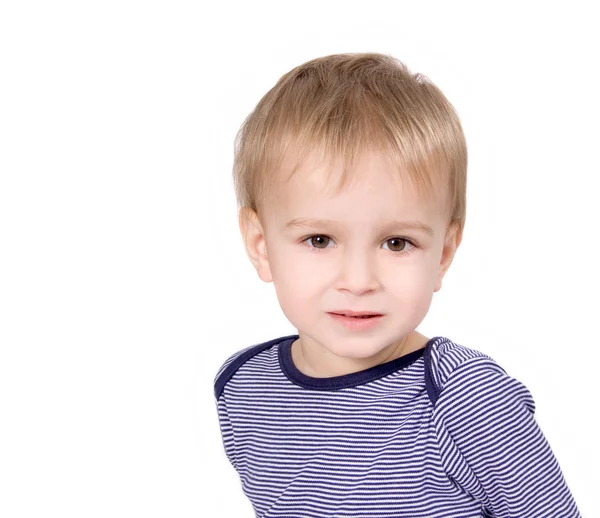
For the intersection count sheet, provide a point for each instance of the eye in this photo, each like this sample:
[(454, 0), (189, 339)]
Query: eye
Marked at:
[(317, 241), (400, 244)]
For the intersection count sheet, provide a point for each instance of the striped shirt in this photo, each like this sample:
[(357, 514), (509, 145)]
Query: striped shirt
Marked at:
[(443, 431)]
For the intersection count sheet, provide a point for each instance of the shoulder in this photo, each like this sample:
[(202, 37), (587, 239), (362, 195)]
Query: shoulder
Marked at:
[(230, 366), (462, 381), (443, 358)]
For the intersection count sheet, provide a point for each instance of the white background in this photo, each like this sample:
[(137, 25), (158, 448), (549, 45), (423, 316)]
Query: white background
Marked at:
[(123, 280)]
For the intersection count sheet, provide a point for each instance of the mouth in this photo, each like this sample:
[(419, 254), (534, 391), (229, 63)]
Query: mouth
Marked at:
[(356, 314), (358, 321)]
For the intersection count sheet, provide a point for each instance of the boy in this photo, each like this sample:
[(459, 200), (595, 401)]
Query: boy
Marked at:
[(351, 180)]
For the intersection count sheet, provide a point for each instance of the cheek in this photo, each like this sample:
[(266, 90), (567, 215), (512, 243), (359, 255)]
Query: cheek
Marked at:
[(295, 278), (298, 299), (299, 270), (412, 277), (411, 293)]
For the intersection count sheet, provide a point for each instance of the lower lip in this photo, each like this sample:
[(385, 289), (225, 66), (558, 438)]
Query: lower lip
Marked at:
[(356, 324)]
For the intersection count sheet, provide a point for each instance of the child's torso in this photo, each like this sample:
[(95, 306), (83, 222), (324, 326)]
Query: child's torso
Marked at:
[(364, 450)]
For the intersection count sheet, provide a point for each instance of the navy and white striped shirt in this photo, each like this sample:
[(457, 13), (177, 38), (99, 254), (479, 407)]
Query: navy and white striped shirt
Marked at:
[(443, 431)]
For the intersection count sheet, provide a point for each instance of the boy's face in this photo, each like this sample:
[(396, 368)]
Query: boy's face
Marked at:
[(362, 261)]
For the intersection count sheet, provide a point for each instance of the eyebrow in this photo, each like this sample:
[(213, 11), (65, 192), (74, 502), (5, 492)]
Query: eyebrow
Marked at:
[(318, 223)]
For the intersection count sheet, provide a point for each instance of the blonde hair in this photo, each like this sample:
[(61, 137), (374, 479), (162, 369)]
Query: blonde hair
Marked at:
[(341, 106)]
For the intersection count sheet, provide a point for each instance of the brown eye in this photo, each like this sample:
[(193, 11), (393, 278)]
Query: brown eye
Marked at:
[(317, 241), (397, 244)]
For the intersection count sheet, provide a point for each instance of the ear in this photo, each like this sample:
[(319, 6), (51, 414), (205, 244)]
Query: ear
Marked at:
[(451, 243), (254, 242)]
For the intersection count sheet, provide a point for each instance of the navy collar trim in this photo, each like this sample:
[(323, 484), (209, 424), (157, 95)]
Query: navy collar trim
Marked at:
[(347, 380)]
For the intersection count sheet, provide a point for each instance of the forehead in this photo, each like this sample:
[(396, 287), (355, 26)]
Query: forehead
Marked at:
[(375, 191)]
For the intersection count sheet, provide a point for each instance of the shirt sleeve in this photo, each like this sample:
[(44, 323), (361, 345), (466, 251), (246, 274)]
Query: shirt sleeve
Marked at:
[(492, 447), (226, 431)]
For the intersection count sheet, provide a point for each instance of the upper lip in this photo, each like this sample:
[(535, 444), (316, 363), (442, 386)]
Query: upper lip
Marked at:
[(349, 313)]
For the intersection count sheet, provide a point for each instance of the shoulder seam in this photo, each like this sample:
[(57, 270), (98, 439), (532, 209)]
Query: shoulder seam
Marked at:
[(484, 360), (434, 384), (433, 390), (230, 370)]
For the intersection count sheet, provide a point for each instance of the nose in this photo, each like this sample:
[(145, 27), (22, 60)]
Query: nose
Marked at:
[(357, 273)]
